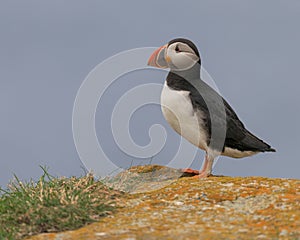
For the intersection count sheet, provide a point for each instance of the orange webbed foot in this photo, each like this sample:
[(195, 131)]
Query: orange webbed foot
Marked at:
[(188, 172)]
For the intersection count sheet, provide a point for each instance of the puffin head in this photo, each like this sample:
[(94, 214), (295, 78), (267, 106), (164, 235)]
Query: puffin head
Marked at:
[(179, 54)]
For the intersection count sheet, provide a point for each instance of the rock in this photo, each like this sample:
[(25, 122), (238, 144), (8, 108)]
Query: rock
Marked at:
[(165, 205), (147, 178)]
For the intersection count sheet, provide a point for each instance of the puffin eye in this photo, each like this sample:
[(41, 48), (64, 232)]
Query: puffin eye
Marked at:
[(177, 49)]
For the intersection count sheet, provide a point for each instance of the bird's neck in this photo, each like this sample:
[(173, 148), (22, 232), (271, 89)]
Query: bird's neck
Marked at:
[(182, 80)]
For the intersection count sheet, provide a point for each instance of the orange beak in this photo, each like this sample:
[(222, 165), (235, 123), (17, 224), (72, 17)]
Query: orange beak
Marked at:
[(157, 59)]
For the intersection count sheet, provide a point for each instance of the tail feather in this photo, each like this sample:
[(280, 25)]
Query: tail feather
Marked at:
[(256, 144), (271, 150)]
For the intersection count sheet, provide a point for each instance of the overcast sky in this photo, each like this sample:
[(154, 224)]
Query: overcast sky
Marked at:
[(47, 48)]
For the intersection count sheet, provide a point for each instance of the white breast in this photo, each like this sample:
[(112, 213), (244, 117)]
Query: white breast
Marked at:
[(179, 113)]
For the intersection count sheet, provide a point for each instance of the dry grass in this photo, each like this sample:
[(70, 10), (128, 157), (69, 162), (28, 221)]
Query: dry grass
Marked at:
[(52, 205)]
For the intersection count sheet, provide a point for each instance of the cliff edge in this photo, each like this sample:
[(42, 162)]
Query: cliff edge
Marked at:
[(162, 204)]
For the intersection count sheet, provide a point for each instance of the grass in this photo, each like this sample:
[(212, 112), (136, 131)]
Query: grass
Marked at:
[(52, 204)]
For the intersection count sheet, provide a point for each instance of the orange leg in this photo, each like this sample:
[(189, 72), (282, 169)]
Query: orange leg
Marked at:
[(206, 168)]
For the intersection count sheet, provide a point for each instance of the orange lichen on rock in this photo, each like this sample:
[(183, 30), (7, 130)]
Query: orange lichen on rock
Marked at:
[(161, 205)]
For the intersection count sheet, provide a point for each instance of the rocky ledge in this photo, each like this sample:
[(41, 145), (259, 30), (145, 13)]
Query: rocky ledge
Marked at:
[(162, 204)]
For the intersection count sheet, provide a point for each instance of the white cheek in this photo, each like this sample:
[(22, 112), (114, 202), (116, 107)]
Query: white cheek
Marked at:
[(182, 61)]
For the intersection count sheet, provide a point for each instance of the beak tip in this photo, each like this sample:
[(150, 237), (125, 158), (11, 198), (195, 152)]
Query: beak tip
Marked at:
[(153, 59)]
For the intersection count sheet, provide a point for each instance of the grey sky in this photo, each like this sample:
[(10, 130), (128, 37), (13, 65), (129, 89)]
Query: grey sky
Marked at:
[(250, 48)]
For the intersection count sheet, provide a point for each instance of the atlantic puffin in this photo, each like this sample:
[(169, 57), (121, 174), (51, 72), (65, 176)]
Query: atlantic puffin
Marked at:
[(197, 112)]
